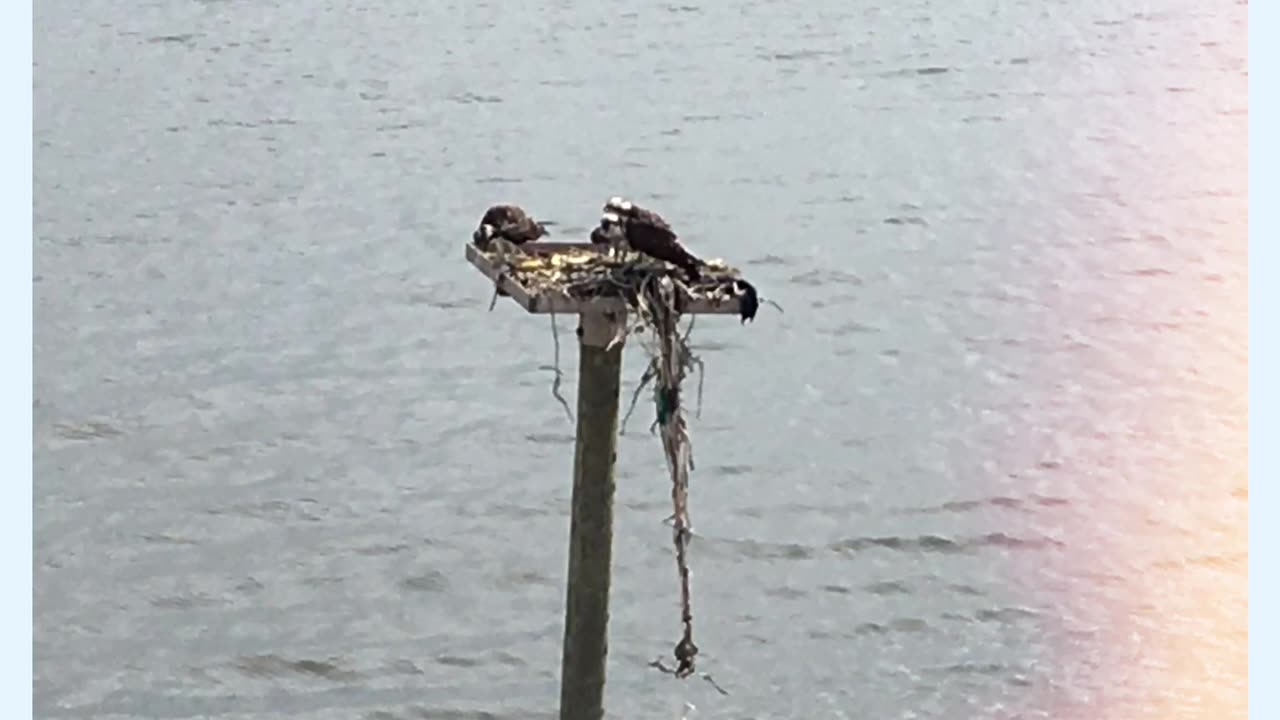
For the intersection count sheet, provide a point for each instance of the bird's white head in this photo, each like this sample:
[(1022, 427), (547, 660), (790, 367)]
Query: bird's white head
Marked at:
[(609, 219)]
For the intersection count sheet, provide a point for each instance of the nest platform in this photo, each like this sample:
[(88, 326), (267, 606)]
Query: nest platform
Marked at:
[(570, 278)]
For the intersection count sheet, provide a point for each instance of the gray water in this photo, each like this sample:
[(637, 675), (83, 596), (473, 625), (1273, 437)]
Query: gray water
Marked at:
[(988, 462)]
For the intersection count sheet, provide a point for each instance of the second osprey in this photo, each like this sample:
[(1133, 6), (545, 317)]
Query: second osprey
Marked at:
[(646, 232), (510, 223)]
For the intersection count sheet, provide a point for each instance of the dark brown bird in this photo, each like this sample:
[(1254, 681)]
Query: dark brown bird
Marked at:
[(509, 222), (646, 232)]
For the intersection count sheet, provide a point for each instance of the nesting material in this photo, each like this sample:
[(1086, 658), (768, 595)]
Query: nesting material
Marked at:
[(573, 277)]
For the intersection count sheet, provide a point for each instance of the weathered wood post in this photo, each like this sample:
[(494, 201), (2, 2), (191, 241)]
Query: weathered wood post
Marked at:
[(586, 626), (586, 620)]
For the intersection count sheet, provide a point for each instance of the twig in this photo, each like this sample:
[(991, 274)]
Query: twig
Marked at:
[(689, 330), (619, 335), (645, 379), (502, 248), (696, 361), (776, 305), (555, 384), (664, 668)]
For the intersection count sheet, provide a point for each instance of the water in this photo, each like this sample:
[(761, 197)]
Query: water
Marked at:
[(988, 463)]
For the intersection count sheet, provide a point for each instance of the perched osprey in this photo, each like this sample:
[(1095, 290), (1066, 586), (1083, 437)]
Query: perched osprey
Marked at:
[(509, 222), (646, 232)]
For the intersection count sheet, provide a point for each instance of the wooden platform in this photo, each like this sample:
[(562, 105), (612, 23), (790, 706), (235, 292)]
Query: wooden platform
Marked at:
[(543, 301)]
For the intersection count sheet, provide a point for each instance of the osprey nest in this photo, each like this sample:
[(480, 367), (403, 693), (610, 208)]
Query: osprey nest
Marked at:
[(582, 273)]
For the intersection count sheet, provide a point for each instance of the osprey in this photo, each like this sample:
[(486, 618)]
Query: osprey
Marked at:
[(646, 232), (509, 222)]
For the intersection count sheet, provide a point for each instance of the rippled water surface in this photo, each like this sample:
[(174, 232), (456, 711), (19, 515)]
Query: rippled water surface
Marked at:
[(989, 462)]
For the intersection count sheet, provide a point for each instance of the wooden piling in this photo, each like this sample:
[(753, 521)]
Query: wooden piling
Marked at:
[(586, 621)]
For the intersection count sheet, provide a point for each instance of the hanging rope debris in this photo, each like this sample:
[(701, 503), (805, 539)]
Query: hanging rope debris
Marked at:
[(555, 384), (657, 305)]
